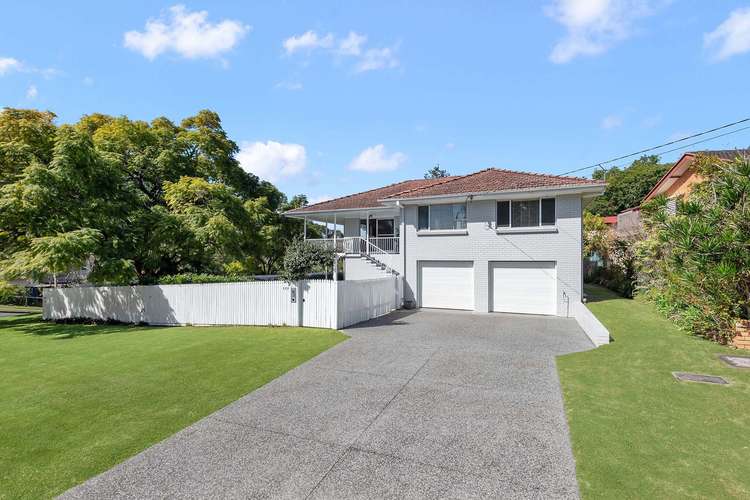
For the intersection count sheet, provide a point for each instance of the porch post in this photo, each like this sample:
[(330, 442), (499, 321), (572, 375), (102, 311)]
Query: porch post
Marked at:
[(334, 230), (304, 231), (367, 231)]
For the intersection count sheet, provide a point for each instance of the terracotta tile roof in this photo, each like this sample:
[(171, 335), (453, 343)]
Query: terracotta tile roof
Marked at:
[(723, 154), (485, 181), (368, 199), (494, 180)]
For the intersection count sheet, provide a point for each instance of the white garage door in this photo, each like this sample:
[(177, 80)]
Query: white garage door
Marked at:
[(524, 287), (447, 285)]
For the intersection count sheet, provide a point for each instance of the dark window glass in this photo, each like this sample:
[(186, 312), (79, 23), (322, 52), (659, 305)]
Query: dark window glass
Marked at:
[(525, 213), (548, 211), (385, 227), (423, 216), (448, 216), (373, 228), (503, 213)]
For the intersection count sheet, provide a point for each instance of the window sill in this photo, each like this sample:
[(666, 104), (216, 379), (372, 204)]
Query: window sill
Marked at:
[(442, 232), (517, 230)]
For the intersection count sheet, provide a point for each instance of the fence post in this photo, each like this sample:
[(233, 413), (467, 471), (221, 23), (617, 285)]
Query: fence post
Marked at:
[(300, 303)]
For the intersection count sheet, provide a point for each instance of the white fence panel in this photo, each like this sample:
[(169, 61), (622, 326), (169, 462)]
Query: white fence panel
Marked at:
[(362, 300), (319, 307), (589, 323), (319, 303), (254, 303)]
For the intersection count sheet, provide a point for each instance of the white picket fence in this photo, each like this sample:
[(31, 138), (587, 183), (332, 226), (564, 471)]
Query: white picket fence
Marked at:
[(314, 303)]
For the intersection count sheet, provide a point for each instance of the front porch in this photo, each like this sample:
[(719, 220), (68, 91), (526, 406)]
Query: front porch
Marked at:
[(372, 235)]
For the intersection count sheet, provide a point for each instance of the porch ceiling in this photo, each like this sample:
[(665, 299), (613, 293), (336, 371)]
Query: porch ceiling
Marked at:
[(361, 213)]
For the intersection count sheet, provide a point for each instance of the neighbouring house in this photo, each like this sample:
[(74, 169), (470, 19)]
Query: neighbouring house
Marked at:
[(495, 240), (676, 183), (610, 221)]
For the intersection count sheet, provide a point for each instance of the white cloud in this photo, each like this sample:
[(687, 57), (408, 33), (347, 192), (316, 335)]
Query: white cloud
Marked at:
[(377, 159), (32, 92), (289, 85), (308, 40), (186, 33), (272, 160), (8, 64), (732, 37), (352, 44), (594, 26), (376, 59), (611, 121), (352, 47)]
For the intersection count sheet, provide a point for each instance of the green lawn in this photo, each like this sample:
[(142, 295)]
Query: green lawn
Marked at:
[(636, 431), (77, 399)]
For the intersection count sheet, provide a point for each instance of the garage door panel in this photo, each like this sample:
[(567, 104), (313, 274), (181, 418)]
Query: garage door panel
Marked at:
[(524, 287), (447, 284)]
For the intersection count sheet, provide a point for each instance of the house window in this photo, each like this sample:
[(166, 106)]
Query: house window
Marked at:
[(503, 214), (423, 218), (385, 227), (378, 227), (526, 213), (672, 206), (442, 217)]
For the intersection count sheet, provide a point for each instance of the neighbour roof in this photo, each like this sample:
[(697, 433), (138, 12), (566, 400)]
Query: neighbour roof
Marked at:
[(682, 165), (610, 219), (485, 181)]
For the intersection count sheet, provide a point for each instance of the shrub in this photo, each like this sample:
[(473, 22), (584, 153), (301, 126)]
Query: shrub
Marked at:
[(193, 278), (695, 265), (10, 294), (303, 257)]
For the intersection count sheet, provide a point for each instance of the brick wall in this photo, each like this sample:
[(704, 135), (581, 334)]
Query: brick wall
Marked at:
[(483, 245)]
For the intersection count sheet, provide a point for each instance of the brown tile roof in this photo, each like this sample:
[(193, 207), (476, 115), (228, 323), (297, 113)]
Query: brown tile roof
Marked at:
[(367, 199), (494, 180), (723, 154), (485, 181)]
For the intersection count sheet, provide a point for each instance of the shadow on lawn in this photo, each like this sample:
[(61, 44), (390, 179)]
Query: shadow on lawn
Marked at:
[(33, 325), (596, 293)]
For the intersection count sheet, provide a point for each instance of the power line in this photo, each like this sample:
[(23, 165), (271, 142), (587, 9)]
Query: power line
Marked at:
[(599, 164)]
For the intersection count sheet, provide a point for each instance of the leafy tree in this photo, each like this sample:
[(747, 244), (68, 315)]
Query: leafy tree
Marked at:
[(162, 198), (436, 172), (303, 257), (627, 187), (695, 265), (26, 136)]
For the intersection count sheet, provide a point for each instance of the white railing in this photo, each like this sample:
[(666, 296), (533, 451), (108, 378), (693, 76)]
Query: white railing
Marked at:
[(355, 245)]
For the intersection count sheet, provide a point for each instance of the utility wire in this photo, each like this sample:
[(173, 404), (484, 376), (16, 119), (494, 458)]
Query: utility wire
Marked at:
[(599, 164)]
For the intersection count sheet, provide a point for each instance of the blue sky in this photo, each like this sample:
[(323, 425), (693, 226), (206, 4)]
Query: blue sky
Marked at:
[(329, 98)]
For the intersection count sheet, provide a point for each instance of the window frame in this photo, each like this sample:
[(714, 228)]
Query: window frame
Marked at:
[(510, 213), (429, 218)]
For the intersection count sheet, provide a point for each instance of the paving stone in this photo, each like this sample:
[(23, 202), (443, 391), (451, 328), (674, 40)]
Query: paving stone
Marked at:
[(696, 377), (736, 361)]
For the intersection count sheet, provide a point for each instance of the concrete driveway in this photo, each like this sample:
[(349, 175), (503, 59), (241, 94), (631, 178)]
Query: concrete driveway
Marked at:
[(428, 404)]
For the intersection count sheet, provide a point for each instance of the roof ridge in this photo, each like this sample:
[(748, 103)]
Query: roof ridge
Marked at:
[(448, 179), (539, 174)]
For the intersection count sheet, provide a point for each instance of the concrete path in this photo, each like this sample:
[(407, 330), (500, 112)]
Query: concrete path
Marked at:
[(428, 404)]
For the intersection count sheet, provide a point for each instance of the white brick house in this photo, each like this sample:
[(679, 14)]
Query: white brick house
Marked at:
[(494, 240)]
